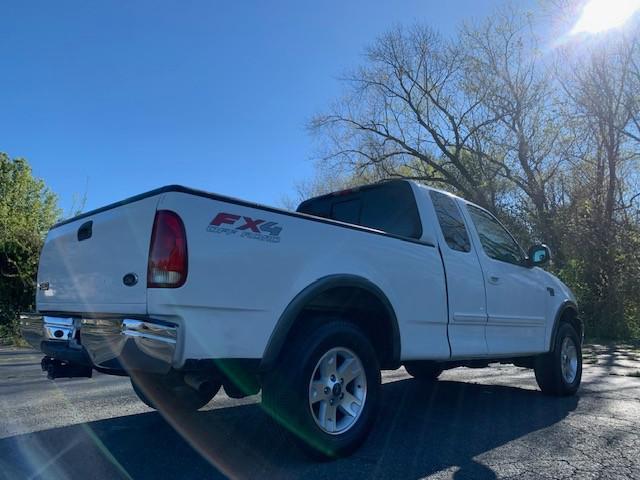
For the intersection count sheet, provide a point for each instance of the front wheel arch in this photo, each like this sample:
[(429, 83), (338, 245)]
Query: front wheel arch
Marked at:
[(567, 312)]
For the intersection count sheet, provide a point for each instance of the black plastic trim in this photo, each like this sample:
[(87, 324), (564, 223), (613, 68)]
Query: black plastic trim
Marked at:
[(564, 306), (295, 307), (236, 201)]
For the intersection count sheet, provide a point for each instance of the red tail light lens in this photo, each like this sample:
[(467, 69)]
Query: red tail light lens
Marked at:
[(168, 252)]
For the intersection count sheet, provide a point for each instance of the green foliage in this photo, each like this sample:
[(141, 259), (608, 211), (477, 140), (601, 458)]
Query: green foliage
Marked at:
[(27, 210)]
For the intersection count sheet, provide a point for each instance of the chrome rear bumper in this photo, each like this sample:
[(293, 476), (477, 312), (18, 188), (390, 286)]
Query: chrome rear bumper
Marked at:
[(38, 328), (111, 343), (59, 339), (130, 344)]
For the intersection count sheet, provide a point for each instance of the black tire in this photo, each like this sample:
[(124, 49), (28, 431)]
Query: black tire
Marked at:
[(287, 389), (424, 371), (170, 394), (549, 367)]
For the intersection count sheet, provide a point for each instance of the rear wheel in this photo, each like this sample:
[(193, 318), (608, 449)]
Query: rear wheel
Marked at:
[(325, 389), (171, 393), (559, 372), (424, 371)]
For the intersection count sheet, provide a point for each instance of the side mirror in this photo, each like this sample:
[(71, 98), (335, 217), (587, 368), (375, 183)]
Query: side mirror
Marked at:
[(538, 255)]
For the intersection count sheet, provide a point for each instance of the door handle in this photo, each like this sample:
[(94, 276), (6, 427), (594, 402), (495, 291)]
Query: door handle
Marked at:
[(494, 279)]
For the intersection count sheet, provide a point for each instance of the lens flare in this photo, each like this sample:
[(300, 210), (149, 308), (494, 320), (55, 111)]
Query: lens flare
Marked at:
[(601, 15)]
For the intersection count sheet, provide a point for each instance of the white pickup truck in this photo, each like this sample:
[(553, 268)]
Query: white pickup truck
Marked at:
[(187, 291)]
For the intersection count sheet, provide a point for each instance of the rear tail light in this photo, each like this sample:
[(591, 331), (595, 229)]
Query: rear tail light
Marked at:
[(168, 252)]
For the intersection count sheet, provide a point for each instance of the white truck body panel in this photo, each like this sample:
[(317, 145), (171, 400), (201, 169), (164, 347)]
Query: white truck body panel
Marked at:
[(516, 303), (467, 313), (86, 276), (239, 282), (232, 302)]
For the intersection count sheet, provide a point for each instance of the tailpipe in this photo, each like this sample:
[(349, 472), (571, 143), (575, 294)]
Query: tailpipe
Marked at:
[(204, 385), (61, 369)]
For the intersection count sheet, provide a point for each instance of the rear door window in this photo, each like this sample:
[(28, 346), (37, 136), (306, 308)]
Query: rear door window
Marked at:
[(451, 222)]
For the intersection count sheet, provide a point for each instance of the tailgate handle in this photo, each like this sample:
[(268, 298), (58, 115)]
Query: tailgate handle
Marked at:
[(85, 230)]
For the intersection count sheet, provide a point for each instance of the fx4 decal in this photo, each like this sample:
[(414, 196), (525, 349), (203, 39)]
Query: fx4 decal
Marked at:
[(246, 227)]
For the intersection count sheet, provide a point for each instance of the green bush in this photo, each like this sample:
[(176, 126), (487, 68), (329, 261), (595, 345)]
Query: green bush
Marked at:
[(27, 210)]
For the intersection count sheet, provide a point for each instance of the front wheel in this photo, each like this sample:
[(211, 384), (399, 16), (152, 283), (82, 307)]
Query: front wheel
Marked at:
[(325, 389), (559, 372)]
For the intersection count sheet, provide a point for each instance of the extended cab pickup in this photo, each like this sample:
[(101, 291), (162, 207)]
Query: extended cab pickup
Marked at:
[(187, 291)]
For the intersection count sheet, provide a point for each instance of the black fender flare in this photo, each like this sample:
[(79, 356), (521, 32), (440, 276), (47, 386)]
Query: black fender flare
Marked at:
[(564, 306), (301, 300)]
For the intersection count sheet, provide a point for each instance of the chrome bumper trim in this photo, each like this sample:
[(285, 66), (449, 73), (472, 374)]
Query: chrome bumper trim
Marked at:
[(150, 331), (129, 344), (37, 328), (59, 328)]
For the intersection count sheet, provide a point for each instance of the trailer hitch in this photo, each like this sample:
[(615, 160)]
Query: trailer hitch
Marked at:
[(62, 369)]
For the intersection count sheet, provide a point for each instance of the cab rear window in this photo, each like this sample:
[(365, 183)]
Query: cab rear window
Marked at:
[(389, 207)]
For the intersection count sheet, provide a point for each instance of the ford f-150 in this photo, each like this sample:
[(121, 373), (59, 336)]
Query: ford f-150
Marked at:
[(187, 291)]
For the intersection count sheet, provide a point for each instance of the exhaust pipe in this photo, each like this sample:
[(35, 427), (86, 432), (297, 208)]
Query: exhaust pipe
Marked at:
[(203, 385), (60, 369)]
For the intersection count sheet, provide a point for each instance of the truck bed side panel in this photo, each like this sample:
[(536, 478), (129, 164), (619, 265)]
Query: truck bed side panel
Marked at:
[(242, 276)]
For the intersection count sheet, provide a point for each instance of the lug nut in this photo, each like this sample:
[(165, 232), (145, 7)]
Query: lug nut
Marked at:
[(333, 378), (326, 390), (342, 380)]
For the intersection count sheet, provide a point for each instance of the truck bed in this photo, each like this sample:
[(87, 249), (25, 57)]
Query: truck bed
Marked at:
[(247, 263)]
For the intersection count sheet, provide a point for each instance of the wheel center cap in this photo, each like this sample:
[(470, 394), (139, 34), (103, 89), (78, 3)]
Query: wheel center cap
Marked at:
[(337, 389)]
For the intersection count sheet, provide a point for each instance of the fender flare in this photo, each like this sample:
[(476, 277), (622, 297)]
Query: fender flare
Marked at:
[(301, 300), (564, 306)]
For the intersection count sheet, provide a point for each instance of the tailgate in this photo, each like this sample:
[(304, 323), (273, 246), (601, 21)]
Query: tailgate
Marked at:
[(84, 262)]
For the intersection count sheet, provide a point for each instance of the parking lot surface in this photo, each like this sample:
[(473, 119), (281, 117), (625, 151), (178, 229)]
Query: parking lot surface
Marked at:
[(472, 423)]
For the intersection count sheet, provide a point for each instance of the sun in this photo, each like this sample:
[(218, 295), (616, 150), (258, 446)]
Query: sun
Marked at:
[(600, 15)]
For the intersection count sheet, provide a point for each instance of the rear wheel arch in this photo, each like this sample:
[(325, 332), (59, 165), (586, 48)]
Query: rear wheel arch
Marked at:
[(347, 296)]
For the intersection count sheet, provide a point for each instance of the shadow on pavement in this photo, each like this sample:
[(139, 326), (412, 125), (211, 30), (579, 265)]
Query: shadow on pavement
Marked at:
[(420, 431)]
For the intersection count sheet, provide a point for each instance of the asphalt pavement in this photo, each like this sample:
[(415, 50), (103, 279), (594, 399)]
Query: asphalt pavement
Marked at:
[(472, 423)]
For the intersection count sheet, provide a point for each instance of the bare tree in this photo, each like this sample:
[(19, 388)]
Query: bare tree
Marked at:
[(596, 79), (595, 84), (550, 142), (633, 96), (504, 63), (406, 115)]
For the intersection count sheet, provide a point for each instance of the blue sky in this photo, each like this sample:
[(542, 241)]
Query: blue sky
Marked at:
[(129, 96)]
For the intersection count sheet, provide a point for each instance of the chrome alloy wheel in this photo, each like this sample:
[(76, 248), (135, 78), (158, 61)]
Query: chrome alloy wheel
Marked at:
[(569, 360), (337, 391)]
